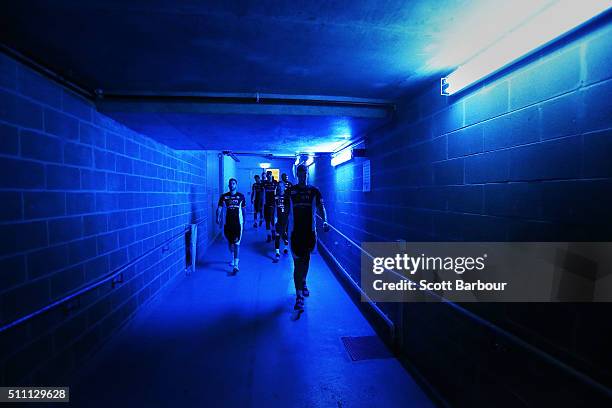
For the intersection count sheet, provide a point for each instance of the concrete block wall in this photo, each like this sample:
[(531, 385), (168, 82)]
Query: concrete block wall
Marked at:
[(526, 156), (82, 196)]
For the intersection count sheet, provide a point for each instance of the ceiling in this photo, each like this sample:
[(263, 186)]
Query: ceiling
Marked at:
[(344, 50)]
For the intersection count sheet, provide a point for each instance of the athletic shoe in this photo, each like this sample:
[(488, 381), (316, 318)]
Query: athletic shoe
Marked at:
[(285, 251), (286, 242), (234, 271), (299, 304), (276, 258), (305, 291), (255, 224)]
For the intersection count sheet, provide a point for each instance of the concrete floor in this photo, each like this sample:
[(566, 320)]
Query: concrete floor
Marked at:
[(210, 340)]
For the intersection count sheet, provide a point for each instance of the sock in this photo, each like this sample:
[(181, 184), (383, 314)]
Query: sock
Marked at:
[(236, 262), (278, 251), (298, 293)]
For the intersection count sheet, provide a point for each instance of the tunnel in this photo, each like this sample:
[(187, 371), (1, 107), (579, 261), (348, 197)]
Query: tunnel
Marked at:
[(347, 204)]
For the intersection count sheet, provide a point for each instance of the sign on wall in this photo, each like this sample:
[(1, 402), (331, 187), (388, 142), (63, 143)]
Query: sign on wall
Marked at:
[(366, 175)]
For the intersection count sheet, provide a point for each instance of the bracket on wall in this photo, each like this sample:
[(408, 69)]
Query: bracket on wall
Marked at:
[(117, 280), (72, 305)]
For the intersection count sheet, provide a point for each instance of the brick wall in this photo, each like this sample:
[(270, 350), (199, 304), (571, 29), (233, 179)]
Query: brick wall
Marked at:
[(524, 157), (82, 196)]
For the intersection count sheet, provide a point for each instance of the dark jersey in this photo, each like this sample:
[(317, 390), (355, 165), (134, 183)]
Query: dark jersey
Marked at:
[(257, 191), (233, 204), (303, 202), (287, 184), (279, 199), (269, 188)]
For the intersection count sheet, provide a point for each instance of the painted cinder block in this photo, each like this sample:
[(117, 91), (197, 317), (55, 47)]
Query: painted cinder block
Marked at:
[(11, 208), (597, 59), (555, 159), (76, 106), (467, 198), (24, 236), (448, 120), (38, 146), (93, 180), (488, 167), (45, 261), (21, 174), (107, 242), (13, 272), (449, 172), (115, 143), (63, 178), (115, 182), (124, 164), (95, 224), (9, 139), (554, 75), (465, 142), (80, 203), (486, 103), (117, 259), (512, 129), (117, 220), (96, 268), (65, 229), (104, 160), (20, 111), (562, 116), (66, 281), (61, 125), (522, 200), (597, 107), (44, 204), (78, 155), (598, 154), (106, 201), (82, 250), (34, 86), (572, 201), (91, 135), (8, 72)]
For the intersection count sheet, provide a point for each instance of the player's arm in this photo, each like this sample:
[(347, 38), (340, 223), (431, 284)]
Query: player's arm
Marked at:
[(252, 193), (322, 211), (244, 208), (287, 201), (219, 210)]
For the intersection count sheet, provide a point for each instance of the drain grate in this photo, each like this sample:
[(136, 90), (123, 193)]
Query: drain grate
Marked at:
[(365, 348)]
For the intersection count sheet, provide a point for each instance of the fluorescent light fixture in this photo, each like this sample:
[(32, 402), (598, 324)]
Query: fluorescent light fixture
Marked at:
[(341, 157), (264, 165), (310, 160), (552, 23)]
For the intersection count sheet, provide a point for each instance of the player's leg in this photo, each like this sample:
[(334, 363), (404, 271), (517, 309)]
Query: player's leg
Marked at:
[(298, 252), (310, 245), (277, 238)]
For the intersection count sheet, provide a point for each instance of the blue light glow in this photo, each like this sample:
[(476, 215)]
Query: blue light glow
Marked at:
[(341, 157), (552, 22), (310, 160)]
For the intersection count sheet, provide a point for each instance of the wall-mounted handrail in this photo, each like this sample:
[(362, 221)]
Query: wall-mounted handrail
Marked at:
[(109, 277), (498, 330)]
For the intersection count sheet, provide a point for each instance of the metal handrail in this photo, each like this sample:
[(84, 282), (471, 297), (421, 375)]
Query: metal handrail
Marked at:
[(517, 340), (109, 277)]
